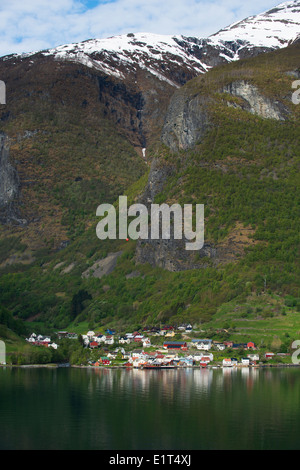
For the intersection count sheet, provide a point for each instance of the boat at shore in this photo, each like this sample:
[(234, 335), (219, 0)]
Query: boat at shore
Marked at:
[(157, 366)]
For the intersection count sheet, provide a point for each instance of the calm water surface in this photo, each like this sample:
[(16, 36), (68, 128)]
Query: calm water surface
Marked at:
[(138, 410)]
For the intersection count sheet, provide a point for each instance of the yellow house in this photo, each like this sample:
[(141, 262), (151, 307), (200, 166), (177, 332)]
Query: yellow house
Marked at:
[(170, 334)]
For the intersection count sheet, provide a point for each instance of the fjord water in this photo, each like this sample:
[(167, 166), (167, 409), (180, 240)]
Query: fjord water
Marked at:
[(69, 408)]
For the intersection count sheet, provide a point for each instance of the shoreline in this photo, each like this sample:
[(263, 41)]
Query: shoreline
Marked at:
[(120, 367)]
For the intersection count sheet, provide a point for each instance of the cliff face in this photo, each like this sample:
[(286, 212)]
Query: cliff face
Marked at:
[(9, 184), (168, 254), (186, 121), (255, 102), (137, 109), (188, 117), (72, 147), (197, 111), (172, 255)]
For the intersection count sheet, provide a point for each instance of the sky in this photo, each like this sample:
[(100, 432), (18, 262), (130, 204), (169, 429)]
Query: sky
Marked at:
[(33, 25)]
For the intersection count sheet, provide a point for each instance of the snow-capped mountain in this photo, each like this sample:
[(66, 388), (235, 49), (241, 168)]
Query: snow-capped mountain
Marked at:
[(272, 29), (122, 55), (94, 112), (134, 75), (176, 59)]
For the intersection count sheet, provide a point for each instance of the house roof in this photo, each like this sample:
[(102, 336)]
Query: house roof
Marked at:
[(201, 340), (176, 343)]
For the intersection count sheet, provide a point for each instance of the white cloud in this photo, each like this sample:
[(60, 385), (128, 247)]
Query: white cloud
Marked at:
[(38, 24)]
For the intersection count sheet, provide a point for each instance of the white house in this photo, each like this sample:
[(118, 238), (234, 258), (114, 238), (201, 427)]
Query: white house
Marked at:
[(38, 339), (204, 344), (130, 336), (122, 350), (245, 361), (253, 357), (220, 346), (197, 356), (111, 355), (43, 339), (109, 339), (100, 338), (227, 362), (31, 339), (85, 340), (146, 343), (124, 340), (269, 355), (90, 334), (138, 362), (137, 355), (181, 328)]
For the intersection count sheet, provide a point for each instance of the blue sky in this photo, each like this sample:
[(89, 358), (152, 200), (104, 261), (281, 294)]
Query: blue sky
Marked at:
[(32, 25)]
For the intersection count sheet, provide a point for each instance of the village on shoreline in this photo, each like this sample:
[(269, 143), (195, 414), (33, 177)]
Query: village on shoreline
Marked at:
[(166, 347)]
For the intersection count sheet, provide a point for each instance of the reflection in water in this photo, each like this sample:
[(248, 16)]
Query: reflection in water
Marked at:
[(182, 383), (228, 408)]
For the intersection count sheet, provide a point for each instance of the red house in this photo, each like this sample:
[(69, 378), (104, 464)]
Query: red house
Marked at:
[(41, 343), (269, 355), (103, 361), (175, 345), (138, 338)]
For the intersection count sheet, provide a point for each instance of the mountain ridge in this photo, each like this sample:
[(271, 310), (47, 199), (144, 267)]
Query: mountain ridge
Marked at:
[(124, 54)]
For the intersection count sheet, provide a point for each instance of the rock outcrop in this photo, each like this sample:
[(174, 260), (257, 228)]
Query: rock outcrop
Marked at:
[(255, 102), (158, 175), (103, 267), (168, 254), (172, 255), (9, 185), (187, 118), (186, 121)]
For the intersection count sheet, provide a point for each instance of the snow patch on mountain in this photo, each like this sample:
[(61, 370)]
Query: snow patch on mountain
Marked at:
[(175, 59), (147, 51), (272, 29)]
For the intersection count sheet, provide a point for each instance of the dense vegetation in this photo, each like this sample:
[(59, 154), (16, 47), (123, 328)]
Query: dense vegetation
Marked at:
[(246, 173)]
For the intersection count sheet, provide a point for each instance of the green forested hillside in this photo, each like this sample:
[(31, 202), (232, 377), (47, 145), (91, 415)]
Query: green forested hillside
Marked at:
[(245, 170)]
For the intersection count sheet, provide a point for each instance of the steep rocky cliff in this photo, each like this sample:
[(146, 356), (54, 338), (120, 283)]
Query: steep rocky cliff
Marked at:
[(255, 102), (168, 254), (186, 120), (194, 120), (9, 185)]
